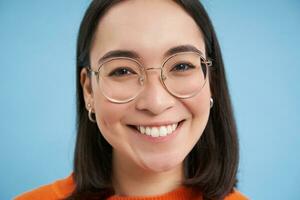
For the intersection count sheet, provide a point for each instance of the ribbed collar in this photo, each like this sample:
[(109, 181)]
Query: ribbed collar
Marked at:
[(181, 193)]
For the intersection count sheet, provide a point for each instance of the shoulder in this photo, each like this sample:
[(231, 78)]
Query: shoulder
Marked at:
[(56, 190), (236, 195)]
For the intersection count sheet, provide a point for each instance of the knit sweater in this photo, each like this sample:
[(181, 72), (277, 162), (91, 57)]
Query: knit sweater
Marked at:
[(62, 188)]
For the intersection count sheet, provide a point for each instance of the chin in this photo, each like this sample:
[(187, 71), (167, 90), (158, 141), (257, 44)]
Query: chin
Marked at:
[(164, 164)]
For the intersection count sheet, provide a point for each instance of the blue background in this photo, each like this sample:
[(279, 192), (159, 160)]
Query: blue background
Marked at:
[(260, 42)]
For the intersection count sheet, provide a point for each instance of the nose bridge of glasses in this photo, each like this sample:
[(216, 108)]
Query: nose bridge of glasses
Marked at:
[(142, 78), (152, 68)]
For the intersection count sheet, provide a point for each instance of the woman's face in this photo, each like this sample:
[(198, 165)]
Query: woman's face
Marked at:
[(149, 28)]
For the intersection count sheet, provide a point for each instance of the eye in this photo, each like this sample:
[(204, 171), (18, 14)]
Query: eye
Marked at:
[(183, 67), (122, 71)]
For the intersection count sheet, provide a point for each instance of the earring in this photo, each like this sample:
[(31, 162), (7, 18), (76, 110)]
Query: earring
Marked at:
[(211, 102), (90, 113)]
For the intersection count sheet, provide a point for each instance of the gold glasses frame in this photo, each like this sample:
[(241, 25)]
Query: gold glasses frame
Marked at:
[(143, 77)]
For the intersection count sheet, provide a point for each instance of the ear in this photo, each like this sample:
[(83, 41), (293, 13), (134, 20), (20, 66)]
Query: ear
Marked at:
[(86, 84)]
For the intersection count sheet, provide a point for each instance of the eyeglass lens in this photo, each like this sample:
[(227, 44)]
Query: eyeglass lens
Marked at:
[(122, 79)]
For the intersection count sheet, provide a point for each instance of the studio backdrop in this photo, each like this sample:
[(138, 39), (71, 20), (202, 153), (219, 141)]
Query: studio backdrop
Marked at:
[(260, 41)]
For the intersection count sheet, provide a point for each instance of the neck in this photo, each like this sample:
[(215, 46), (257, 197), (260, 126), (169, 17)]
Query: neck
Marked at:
[(132, 180)]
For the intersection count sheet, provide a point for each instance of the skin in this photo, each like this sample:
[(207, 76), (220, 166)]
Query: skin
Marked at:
[(150, 28)]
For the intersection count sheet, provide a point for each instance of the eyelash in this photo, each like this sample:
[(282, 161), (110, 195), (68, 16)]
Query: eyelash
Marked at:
[(191, 66), (121, 69)]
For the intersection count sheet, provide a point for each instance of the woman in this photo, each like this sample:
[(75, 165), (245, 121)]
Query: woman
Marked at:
[(153, 109)]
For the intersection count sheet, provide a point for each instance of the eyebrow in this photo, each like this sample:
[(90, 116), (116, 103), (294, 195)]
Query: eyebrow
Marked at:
[(135, 55)]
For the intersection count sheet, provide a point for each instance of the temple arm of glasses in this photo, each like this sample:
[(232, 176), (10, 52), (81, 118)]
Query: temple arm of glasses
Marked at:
[(92, 71), (208, 63)]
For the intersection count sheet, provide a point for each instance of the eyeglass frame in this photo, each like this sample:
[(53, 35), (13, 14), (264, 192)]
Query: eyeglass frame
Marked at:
[(206, 61)]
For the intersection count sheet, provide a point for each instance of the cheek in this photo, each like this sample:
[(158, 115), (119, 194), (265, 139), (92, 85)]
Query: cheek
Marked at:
[(109, 120), (199, 109), (199, 106), (108, 115)]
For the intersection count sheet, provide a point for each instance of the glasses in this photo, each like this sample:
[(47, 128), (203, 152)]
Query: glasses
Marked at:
[(121, 79)]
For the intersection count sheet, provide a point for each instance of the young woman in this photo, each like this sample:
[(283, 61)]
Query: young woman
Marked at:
[(153, 109)]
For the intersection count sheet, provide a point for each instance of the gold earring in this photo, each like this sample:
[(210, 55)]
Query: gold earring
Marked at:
[(211, 102), (90, 113)]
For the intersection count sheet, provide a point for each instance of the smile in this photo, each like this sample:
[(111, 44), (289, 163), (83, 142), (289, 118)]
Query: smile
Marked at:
[(157, 131)]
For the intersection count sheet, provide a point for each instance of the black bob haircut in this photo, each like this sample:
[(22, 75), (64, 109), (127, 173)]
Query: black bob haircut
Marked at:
[(211, 166)]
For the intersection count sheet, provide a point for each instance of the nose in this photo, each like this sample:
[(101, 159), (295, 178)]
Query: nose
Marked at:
[(154, 98)]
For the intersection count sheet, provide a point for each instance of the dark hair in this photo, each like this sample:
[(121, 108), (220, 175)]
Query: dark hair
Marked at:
[(211, 166)]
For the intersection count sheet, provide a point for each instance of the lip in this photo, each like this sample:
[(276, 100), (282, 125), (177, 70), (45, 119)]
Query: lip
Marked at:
[(156, 124), (157, 139)]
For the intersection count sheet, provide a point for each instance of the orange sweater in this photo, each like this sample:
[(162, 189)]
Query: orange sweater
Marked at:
[(62, 188)]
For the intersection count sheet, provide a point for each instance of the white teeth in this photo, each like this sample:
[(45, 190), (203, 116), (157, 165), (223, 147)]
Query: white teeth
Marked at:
[(163, 131), (154, 132), (148, 131), (160, 131), (174, 126), (142, 130), (170, 129)]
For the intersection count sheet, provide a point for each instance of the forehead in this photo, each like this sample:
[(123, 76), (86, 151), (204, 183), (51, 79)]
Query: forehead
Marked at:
[(147, 27)]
